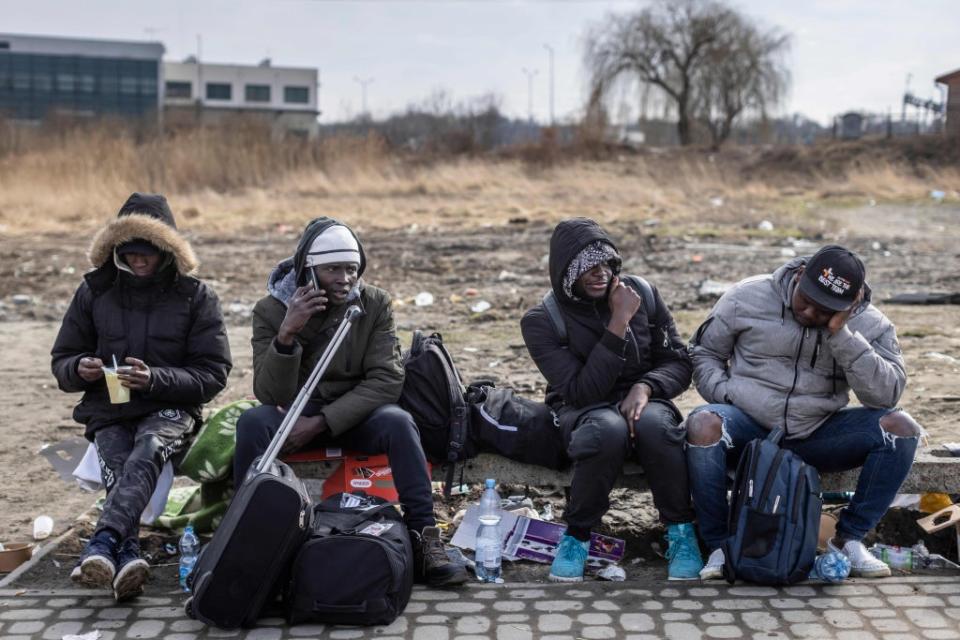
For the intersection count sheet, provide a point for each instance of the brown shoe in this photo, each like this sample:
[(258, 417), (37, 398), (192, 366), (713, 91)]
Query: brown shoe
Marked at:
[(431, 564)]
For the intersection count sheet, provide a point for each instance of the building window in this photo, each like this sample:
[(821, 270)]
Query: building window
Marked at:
[(220, 91), (296, 95), (179, 90), (257, 93)]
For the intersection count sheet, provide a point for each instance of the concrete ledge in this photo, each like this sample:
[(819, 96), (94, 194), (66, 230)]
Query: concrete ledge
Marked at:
[(933, 471)]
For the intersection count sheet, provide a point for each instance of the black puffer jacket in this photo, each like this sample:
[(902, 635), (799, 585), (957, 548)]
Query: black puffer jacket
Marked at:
[(597, 366), (171, 321)]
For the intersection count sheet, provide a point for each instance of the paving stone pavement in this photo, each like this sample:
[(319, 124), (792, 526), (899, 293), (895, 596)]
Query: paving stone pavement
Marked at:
[(891, 609)]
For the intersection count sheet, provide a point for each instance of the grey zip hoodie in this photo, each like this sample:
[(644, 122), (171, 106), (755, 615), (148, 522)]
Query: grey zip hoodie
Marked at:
[(752, 353)]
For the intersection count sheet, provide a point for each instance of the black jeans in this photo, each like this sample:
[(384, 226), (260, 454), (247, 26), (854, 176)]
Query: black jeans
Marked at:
[(599, 445), (389, 429), (132, 455)]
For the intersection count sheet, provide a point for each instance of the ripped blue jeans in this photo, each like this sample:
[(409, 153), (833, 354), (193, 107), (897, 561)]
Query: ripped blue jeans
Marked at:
[(850, 438)]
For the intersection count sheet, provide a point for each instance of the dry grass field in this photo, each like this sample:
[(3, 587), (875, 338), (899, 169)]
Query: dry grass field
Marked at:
[(463, 229)]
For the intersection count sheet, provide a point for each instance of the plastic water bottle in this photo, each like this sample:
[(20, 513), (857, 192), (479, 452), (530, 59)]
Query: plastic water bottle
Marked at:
[(189, 549), (488, 535), (831, 566)]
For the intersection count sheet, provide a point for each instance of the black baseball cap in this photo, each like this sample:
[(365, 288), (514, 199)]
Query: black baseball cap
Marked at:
[(138, 245), (833, 277)]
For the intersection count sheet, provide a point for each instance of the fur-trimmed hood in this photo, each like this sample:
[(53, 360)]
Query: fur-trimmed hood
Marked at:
[(147, 218)]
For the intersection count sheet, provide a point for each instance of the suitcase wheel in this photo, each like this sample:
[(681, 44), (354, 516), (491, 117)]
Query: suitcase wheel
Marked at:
[(188, 608)]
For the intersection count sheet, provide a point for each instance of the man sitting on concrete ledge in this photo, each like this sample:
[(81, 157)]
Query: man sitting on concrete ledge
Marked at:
[(354, 406), (611, 382), (784, 350)]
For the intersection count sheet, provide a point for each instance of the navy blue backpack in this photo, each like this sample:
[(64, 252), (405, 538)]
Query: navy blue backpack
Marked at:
[(774, 515)]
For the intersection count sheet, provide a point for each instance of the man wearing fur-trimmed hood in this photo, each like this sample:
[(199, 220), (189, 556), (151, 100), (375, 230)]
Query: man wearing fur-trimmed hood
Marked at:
[(141, 309)]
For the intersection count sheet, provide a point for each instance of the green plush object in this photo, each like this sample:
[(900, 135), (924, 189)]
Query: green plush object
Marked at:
[(202, 506), (210, 457), (209, 462)]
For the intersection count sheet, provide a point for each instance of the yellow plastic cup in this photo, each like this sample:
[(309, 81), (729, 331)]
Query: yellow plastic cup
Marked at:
[(118, 393)]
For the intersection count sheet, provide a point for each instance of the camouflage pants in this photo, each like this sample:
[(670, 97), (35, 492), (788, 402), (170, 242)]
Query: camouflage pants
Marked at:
[(132, 455)]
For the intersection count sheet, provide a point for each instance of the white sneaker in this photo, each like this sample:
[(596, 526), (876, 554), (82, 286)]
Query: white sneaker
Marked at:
[(863, 564), (713, 570)]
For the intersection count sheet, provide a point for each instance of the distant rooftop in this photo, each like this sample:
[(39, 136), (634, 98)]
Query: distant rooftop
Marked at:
[(55, 45), (947, 77)]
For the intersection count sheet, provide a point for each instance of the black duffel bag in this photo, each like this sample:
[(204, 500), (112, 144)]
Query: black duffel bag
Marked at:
[(516, 428), (355, 568)]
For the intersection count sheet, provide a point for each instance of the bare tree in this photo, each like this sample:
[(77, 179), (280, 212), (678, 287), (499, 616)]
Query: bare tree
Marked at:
[(677, 46), (743, 72)]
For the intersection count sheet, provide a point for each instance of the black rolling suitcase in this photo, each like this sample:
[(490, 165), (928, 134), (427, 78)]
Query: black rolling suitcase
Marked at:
[(266, 523)]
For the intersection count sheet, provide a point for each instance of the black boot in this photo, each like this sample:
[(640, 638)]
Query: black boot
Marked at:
[(431, 564)]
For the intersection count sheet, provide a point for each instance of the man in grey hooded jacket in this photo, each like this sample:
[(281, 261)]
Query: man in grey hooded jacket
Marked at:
[(784, 350)]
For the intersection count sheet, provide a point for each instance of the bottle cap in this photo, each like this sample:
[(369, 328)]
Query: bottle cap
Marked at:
[(490, 484)]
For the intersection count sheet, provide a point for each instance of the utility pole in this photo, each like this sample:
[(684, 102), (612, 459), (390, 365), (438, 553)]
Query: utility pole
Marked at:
[(363, 82), (531, 74), (553, 121)]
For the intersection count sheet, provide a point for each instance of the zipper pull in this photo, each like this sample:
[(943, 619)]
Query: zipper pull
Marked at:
[(750, 488), (776, 503), (666, 339), (303, 518)]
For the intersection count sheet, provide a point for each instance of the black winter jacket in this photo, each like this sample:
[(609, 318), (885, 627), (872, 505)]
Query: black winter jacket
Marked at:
[(171, 321), (597, 366)]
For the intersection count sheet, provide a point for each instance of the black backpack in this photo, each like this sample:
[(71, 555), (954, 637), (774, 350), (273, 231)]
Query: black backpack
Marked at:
[(434, 394), (774, 517), (641, 286), (356, 566)]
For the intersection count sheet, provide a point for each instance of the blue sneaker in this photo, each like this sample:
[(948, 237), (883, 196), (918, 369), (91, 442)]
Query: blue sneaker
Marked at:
[(683, 552), (98, 561), (570, 560), (132, 571)]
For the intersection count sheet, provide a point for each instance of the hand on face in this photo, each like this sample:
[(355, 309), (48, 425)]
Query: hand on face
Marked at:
[(839, 319), (624, 301), (306, 302)]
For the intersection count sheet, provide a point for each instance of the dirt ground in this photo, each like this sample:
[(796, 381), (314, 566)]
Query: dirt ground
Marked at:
[(906, 248)]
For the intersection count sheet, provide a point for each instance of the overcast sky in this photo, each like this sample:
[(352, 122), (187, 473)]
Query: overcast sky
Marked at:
[(847, 54)]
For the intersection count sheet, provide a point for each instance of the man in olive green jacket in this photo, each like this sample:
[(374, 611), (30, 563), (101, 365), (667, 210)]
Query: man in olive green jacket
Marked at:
[(354, 405)]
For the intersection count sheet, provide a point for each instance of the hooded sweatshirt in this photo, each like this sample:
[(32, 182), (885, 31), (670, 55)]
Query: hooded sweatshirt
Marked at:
[(597, 366), (751, 352), (364, 374), (170, 320)]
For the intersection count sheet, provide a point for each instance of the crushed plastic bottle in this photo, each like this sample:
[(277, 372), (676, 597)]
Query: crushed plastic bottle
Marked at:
[(189, 550), (831, 566)]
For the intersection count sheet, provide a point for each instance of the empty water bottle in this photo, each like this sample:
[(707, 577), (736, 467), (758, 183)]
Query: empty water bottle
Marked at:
[(831, 566), (189, 550), (489, 542)]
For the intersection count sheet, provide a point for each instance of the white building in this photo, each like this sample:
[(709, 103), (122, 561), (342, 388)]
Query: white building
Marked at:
[(287, 96)]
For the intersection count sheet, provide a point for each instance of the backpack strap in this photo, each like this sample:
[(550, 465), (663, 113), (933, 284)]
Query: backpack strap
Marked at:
[(458, 415), (640, 285), (556, 316)]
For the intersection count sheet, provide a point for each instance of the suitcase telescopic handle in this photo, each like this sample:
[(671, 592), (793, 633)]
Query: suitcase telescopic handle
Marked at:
[(270, 455)]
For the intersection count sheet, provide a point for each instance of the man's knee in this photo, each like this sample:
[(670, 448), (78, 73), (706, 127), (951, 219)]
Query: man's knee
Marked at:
[(704, 429), (257, 423), (600, 432), (901, 424), (658, 426), (396, 422)]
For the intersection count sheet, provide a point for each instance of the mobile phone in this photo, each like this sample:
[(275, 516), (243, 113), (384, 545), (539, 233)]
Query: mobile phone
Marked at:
[(313, 279)]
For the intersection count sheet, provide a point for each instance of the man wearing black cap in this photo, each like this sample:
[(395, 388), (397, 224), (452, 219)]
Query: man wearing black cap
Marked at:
[(784, 350), (139, 307)]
